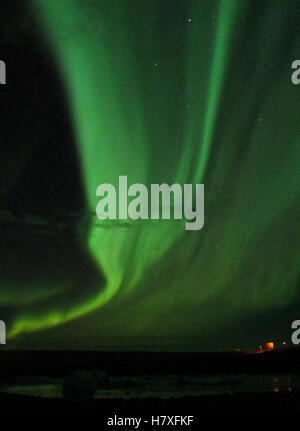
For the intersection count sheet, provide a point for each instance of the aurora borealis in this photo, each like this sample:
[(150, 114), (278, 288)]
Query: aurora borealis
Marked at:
[(175, 91)]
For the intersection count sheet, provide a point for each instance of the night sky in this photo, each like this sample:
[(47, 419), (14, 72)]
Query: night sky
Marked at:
[(163, 91)]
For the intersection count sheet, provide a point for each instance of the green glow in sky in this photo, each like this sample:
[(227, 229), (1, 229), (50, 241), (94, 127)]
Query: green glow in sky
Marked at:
[(182, 92)]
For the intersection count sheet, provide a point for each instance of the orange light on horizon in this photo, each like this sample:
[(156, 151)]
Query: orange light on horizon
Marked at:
[(270, 345)]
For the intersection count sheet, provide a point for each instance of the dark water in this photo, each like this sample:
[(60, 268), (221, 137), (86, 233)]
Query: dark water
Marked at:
[(165, 386)]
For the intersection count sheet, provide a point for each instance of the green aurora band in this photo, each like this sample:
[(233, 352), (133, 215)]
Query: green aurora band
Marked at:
[(188, 92)]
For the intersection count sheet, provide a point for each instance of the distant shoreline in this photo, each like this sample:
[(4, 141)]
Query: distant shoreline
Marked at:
[(62, 363)]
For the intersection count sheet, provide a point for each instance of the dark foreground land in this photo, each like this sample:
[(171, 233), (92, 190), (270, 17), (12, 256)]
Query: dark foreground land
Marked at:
[(264, 402), (60, 364)]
